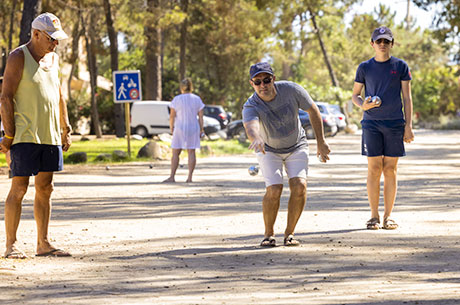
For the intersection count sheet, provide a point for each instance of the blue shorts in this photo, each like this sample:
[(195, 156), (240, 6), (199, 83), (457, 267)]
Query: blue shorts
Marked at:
[(383, 138), (28, 159)]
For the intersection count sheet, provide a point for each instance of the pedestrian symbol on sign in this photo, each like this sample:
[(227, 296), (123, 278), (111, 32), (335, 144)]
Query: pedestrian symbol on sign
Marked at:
[(121, 91), (127, 86)]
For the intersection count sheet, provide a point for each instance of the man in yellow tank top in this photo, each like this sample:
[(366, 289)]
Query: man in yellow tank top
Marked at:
[(37, 129)]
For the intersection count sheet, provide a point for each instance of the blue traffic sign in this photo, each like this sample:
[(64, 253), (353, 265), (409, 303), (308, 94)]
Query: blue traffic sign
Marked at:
[(127, 86)]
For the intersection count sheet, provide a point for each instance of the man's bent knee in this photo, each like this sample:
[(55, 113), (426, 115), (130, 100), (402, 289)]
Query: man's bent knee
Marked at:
[(298, 186), (274, 191)]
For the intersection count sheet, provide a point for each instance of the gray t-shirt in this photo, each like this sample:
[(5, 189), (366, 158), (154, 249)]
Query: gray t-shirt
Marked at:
[(279, 121)]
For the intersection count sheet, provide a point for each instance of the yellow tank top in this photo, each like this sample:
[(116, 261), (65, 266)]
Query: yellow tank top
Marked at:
[(36, 103)]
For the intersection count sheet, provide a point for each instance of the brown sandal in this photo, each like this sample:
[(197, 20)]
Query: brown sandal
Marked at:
[(373, 224), (389, 224), (268, 242), (291, 242)]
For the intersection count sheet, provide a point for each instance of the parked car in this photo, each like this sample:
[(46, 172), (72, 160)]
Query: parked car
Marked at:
[(218, 113), (210, 125), (236, 129), (339, 116), (152, 118), (329, 122)]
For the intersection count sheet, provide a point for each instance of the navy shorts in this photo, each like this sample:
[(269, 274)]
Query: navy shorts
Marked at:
[(28, 159), (383, 138)]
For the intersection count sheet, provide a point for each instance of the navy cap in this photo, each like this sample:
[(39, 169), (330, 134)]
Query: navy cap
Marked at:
[(382, 32), (261, 67)]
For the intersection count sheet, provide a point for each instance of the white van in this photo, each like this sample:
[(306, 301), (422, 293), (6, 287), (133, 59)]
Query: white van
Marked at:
[(152, 118)]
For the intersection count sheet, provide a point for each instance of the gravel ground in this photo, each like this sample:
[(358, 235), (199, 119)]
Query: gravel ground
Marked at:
[(135, 240)]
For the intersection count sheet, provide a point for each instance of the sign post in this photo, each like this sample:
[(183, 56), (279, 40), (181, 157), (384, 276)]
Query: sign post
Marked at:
[(127, 89)]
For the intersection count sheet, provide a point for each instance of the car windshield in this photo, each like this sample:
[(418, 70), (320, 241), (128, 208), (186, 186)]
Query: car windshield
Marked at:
[(334, 109), (213, 109), (322, 109)]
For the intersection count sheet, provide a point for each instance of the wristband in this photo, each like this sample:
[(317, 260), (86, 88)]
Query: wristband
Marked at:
[(8, 137)]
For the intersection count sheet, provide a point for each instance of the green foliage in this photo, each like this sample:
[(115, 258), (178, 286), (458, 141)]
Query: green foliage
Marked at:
[(227, 147), (326, 93), (6, 7), (96, 147), (78, 106), (225, 37), (446, 22), (436, 92)]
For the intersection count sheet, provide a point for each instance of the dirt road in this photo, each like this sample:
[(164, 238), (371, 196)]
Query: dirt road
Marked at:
[(137, 241)]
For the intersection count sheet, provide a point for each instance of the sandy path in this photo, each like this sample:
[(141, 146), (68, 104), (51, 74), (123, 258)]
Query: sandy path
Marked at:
[(137, 241)]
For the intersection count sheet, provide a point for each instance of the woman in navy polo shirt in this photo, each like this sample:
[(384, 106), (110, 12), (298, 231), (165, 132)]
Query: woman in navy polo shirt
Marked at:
[(385, 125)]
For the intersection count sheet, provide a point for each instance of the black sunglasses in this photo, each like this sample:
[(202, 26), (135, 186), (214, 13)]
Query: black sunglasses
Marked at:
[(385, 41), (50, 39), (266, 81)]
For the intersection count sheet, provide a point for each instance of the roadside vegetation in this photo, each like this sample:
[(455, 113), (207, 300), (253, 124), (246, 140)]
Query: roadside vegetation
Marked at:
[(95, 147)]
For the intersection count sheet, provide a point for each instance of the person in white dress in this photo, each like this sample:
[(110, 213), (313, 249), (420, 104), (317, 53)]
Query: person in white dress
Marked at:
[(186, 124)]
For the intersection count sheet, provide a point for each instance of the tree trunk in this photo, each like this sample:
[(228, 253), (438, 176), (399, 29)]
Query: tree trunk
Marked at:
[(408, 16), (4, 53), (334, 80), (76, 33), (286, 28), (29, 12), (153, 52), (10, 35), (90, 41), (183, 42), (118, 110)]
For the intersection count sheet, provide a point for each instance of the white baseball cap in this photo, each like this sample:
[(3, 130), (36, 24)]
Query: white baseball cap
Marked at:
[(50, 24)]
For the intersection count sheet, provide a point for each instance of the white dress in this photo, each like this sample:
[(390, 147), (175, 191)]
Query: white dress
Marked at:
[(186, 133)]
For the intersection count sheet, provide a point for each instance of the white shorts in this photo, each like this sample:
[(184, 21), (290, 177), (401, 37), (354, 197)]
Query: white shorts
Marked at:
[(271, 165)]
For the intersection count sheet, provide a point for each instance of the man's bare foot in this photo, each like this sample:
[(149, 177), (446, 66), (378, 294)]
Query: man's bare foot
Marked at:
[(169, 180), (14, 253)]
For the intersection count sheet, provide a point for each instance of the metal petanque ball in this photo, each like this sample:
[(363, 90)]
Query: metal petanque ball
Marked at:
[(321, 159), (376, 99), (253, 170)]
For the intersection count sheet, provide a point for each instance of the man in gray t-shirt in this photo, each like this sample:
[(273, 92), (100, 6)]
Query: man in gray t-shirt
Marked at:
[(271, 120)]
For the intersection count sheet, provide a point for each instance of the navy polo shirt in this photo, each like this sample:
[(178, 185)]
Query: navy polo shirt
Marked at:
[(384, 80)]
